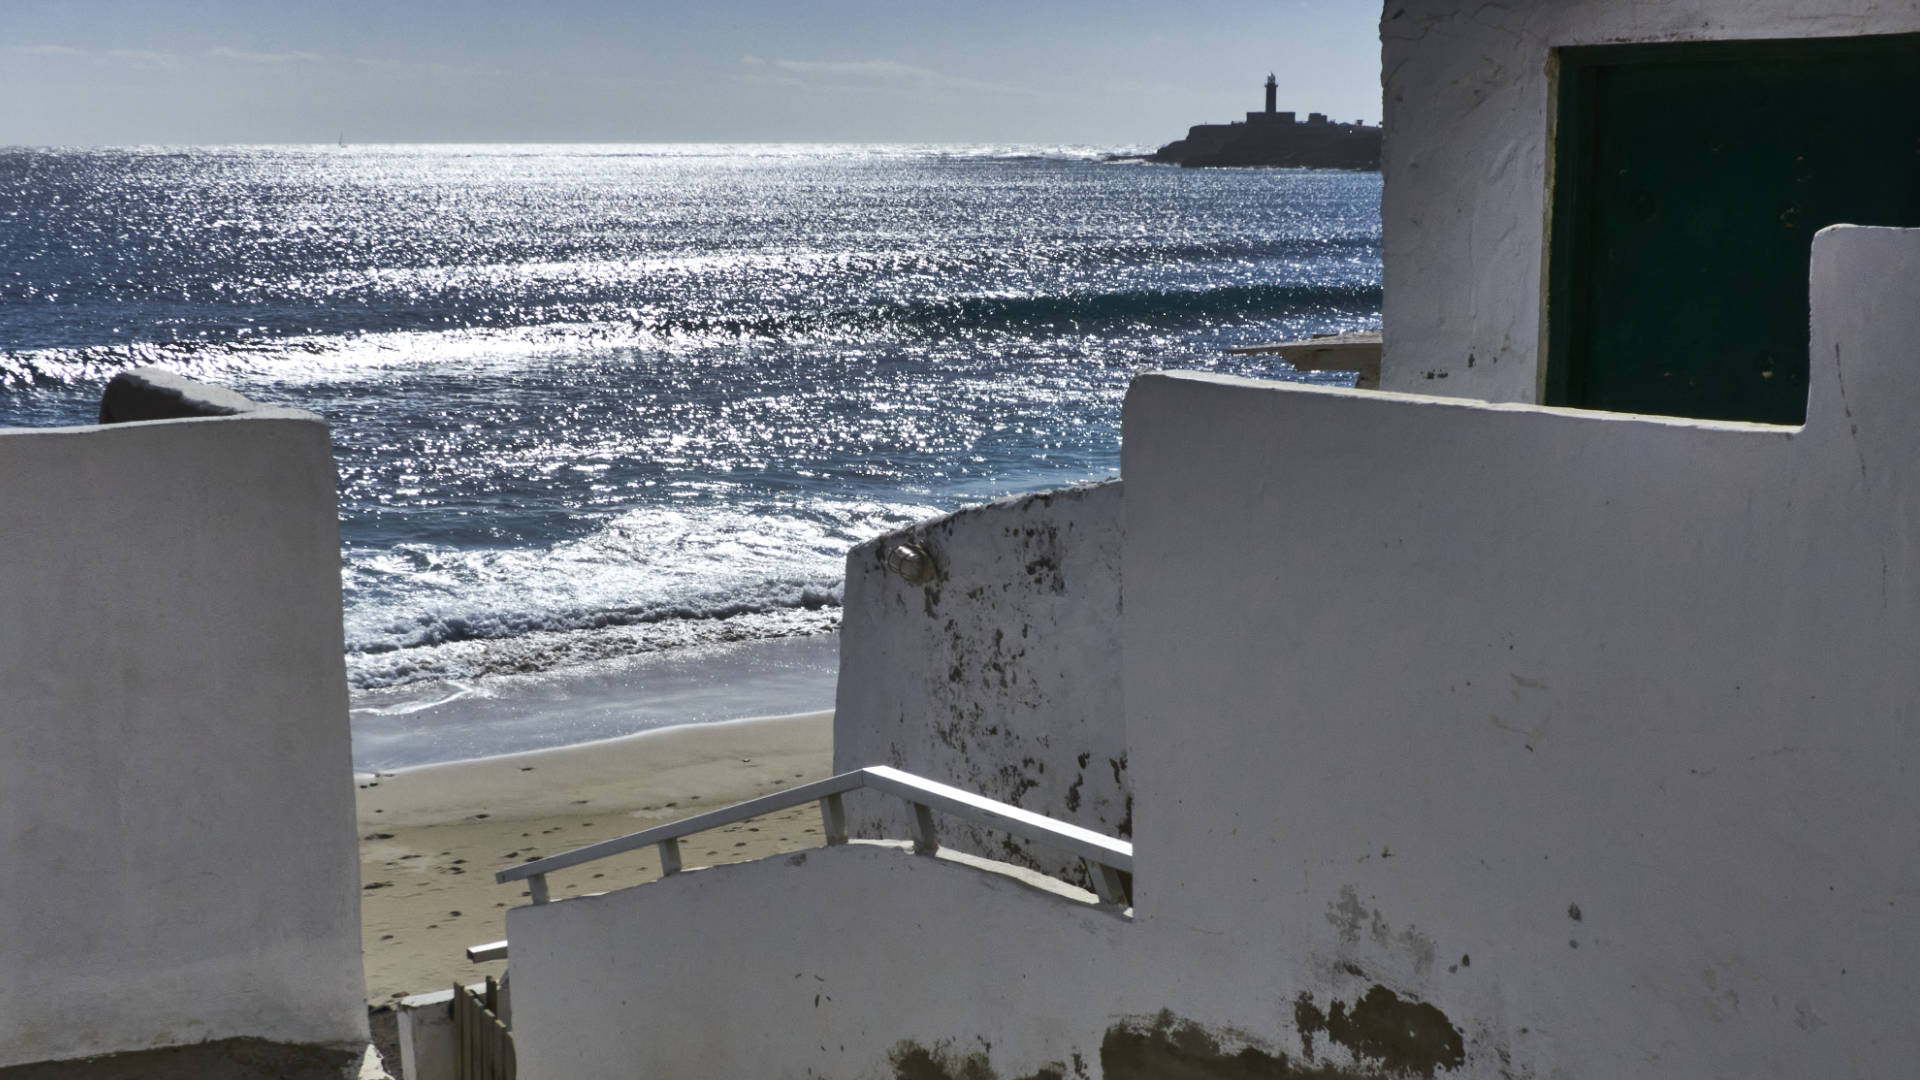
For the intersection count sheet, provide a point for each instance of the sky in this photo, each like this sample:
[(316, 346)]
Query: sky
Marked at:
[(107, 72)]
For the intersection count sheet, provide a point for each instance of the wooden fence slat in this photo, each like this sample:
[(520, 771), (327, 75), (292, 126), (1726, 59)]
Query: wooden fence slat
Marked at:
[(484, 1045)]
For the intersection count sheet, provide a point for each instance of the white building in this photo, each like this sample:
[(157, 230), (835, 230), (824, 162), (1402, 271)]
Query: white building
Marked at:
[(1464, 738), (179, 881)]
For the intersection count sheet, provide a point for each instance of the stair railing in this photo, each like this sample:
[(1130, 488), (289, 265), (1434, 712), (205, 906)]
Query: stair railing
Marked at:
[(1109, 861)]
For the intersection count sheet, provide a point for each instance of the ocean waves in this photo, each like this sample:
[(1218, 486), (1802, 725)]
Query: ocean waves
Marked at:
[(1154, 309), (432, 629), (876, 324), (537, 648), (649, 579), (592, 404)]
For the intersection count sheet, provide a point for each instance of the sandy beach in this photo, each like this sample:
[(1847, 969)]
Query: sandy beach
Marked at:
[(432, 837)]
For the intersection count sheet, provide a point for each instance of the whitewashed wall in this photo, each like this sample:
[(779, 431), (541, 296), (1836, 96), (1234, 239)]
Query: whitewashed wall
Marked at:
[(1468, 740), (839, 962), (176, 805), (1465, 164), (1596, 733), (1002, 677)]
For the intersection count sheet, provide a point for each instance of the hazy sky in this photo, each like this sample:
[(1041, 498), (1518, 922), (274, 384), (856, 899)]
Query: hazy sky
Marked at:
[(1126, 71)]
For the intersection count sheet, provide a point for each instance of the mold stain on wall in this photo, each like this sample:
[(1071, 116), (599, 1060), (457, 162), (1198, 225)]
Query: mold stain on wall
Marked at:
[(991, 678), (912, 1061), (1402, 1037), (1353, 921), (1165, 1047)]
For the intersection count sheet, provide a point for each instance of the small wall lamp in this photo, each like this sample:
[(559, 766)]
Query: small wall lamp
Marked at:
[(912, 562)]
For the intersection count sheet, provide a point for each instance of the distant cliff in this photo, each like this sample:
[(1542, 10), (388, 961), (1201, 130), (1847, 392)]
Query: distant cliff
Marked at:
[(1277, 139)]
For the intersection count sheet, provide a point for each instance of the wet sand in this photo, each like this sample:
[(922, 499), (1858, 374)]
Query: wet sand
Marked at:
[(432, 837)]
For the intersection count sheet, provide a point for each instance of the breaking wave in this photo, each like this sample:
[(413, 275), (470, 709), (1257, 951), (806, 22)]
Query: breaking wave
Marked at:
[(646, 580), (594, 402)]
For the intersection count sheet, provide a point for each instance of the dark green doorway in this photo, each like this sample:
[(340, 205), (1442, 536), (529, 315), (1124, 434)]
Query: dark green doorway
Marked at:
[(1688, 182)]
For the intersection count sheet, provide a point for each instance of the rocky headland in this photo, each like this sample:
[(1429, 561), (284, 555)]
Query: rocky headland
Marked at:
[(1274, 138)]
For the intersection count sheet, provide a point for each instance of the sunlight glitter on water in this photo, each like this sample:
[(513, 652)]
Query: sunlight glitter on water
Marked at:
[(602, 402)]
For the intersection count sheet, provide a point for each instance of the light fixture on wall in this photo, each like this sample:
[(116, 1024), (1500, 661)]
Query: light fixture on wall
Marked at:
[(912, 562)]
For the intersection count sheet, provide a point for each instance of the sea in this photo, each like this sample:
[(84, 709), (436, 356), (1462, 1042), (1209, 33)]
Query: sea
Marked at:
[(608, 418)]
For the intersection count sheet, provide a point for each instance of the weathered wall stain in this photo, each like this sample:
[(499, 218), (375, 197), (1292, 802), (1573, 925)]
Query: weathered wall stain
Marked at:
[(1165, 1047), (1347, 915), (1079, 778), (1403, 1037), (1352, 919), (1420, 948), (1000, 677), (221, 1059), (912, 1061)]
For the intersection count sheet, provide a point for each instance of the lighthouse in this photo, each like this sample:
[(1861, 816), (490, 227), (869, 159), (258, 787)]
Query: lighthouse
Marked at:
[(1271, 115)]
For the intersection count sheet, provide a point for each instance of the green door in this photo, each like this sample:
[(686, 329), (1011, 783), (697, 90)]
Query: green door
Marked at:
[(1689, 180)]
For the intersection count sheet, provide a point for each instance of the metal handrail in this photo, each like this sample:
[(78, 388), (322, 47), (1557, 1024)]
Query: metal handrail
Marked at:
[(1106, 858)]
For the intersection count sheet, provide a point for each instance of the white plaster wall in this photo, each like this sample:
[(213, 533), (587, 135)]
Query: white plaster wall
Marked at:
[(817, 964), (1002, 677), (1591, 735), (1596, 732), (176, 816), (425, 1025), (1465, 163)]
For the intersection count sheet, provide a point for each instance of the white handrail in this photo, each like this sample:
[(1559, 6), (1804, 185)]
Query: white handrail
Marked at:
[(1106, 858)]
